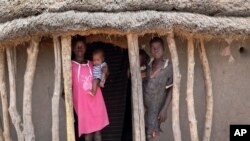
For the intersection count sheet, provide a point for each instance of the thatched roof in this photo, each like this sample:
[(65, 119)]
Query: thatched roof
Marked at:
[(22, 8), (34, 17)]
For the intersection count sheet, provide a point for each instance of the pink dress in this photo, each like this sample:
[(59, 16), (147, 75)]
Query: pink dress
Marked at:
[(91, 110)]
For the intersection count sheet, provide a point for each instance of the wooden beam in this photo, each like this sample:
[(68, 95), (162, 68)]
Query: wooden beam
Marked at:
[(190, 91), (4, 98), (32, 51), (57, 89), (15, 116), (176, 87), (66, 64), (137, 97), (209, 92)]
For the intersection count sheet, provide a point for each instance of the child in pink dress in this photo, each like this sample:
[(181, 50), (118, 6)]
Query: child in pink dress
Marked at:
[(91, 110)]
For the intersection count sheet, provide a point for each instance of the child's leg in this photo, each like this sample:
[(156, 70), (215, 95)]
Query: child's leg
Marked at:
[(98, 136), (89, 137), (95, 85), (102, 82)]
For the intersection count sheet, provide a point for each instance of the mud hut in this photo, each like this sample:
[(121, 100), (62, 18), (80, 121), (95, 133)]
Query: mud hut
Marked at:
[(208, 42)]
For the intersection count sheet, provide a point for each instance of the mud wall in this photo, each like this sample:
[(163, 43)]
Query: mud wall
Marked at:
[(230, 83)]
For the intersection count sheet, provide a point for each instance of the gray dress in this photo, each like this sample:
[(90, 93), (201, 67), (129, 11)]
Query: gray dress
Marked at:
[(155, 94)]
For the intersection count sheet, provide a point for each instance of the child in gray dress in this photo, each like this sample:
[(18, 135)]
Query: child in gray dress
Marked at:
[(157, 89)]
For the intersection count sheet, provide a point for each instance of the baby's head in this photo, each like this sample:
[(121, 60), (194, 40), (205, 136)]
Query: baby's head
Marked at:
[(98, 57)]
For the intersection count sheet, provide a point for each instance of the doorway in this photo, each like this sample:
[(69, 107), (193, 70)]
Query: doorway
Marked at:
[(117, 92)]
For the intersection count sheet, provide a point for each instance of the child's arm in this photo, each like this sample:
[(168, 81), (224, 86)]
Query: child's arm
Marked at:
[(163, 113)]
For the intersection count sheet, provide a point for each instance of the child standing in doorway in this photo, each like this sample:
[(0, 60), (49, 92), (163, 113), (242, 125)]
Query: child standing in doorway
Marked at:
[(91, 110)]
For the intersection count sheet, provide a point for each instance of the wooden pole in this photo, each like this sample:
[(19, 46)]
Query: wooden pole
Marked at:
[(28, 126), (57, 90), (190, 92), (137, 97), (4, 98), (209, 91), (66, 63), (15, 116), (176, 87)]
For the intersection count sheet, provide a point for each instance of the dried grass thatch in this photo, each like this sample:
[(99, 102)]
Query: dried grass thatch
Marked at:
[(122, 23), (22, 19), (12, 9)]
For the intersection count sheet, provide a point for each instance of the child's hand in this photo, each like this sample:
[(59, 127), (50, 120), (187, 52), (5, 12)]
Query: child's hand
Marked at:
[(162, 116)]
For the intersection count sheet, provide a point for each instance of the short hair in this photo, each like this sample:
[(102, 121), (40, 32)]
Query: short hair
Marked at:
[(98, 51), (155, 40), (78, 38)]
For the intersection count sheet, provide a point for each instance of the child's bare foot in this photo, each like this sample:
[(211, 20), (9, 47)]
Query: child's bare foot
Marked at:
[(101, 84)]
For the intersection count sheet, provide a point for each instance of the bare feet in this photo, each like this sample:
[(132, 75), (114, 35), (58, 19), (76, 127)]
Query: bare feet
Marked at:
[(101, 84)]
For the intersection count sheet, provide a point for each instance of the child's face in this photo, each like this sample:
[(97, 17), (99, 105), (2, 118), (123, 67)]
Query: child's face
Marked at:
[(157, 50), (98, 59), (79, 49)]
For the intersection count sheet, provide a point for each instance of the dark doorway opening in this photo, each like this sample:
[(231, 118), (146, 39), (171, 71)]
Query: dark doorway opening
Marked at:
[(117, 93)]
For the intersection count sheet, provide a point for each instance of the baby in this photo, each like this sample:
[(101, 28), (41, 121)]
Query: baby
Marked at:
[(99, 69)]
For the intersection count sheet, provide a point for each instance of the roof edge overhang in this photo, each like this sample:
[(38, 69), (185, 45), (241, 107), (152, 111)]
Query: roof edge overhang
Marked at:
[(85, 23), (14, 9)]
